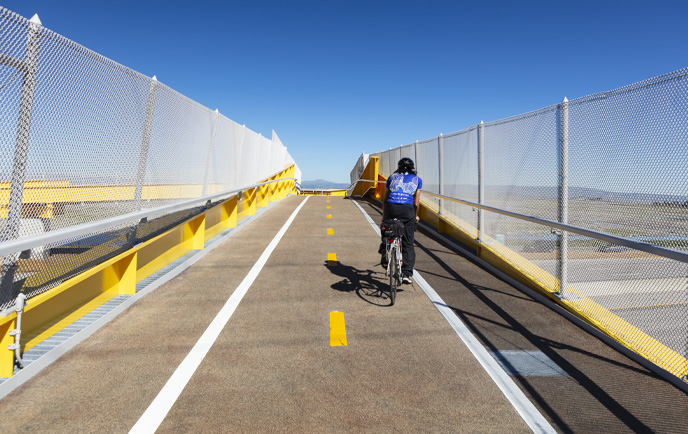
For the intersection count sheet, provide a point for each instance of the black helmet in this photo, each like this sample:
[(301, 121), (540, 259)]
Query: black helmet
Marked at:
[(406, 164)]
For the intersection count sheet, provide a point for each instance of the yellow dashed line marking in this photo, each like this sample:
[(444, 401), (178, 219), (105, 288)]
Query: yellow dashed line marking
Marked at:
[(328, 201), (330, 231), (329, 216), (328, 207), (337, 329), (331, 259)]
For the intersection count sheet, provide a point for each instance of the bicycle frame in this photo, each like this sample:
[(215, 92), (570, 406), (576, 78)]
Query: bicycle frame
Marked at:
[(394, 270)]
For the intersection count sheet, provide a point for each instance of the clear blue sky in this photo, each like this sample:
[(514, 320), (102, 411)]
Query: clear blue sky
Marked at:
[(337, 78)]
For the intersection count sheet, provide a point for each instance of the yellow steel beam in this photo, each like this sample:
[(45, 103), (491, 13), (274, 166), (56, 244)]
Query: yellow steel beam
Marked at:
[(247, 205), (221, 217), (45, 311), (263, 196), (60, 306), (54, 309)]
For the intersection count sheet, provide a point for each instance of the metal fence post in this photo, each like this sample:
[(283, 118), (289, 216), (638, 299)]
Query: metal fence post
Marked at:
[(563, 115), (209, 160), (415, 154), (481, 179), (28, 66), (440, 152), (145, 142)]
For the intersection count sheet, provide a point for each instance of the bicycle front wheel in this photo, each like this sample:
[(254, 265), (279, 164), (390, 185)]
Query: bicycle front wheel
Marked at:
[(393, 275)]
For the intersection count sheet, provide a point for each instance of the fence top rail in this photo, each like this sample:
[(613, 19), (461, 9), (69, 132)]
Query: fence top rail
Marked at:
[(627, 242), (26, 243)]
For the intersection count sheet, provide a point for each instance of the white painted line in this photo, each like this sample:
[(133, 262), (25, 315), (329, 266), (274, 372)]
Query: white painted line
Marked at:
[(161, 405), (42, 362), (516, 397), (532, 417), (370, 220)]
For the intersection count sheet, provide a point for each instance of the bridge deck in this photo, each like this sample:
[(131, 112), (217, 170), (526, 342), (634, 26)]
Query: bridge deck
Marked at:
[(404, 368)]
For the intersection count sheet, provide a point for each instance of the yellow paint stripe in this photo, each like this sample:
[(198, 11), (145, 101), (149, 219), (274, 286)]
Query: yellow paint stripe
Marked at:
[(330, 231), (337, 329), (328, 207), (329, 216), (331, 259), (328, 201)]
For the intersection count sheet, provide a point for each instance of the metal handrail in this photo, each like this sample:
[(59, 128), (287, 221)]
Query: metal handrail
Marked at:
[(612, 239), (26, 243)]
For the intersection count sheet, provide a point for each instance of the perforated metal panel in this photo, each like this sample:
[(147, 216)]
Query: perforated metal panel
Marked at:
[(460, 177)]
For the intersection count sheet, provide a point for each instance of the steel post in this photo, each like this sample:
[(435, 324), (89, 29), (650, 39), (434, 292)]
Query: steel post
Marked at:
[(440, 152), (28, 66), (481, 179), (415, 154), (145, 142), (209, 160), (563, 115)]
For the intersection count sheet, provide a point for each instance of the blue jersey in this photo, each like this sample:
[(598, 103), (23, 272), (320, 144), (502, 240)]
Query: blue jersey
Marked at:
[(402, 187)]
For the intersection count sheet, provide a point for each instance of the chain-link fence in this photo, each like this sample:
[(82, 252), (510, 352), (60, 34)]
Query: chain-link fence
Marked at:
[(614, 163), (83, 139)]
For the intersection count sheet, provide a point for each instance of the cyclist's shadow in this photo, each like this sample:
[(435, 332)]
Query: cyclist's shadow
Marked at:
[(369, 285)]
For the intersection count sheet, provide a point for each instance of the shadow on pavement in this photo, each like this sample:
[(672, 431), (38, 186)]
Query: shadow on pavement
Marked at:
[(371, 286), (488, 332), (547, 346)]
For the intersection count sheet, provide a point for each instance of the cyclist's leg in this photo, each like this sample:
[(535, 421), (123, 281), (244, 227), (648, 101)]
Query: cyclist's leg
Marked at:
[(383, 246), (407, 251)]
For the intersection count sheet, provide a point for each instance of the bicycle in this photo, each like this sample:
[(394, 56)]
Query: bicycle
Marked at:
[(392, 231)]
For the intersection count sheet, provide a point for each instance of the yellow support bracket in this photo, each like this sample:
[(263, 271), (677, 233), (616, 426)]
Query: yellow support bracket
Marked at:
[(263, 196), (51, 311), (221, 217), (58, 307)]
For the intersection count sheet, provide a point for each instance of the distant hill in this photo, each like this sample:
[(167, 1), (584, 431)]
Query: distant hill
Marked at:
[(552, 193), (323, 184)]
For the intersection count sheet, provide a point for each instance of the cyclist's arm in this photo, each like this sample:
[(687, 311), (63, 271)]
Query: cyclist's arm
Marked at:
[(416, 203)]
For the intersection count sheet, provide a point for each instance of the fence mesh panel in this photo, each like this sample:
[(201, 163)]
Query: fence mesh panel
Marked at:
[(626, 176), (83, 139), (460, 177)]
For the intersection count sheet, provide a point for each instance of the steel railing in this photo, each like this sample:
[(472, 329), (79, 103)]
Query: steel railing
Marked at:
[(27, 243)]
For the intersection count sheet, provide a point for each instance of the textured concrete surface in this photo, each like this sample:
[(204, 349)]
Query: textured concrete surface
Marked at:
[(604, 391), (272, 368)]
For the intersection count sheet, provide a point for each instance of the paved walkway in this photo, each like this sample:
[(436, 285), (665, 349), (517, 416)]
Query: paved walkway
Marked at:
[(272, 368)]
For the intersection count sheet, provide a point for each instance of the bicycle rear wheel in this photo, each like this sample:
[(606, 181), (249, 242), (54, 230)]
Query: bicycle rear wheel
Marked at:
[(393, 275)]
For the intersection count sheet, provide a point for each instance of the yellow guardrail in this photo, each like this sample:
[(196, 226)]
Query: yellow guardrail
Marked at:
[(317, 192), (58, 307)]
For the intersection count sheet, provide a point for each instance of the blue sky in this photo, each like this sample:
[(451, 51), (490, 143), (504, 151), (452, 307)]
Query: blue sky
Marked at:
[(337, 78)]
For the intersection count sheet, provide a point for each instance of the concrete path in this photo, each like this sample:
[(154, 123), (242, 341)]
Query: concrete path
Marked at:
[(580, 384), (272, 368)]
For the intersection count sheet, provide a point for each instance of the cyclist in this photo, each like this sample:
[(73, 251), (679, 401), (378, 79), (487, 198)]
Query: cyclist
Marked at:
[(402, 201)]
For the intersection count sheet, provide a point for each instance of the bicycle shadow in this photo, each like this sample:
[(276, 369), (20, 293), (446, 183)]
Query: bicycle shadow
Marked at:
[(371, 286)]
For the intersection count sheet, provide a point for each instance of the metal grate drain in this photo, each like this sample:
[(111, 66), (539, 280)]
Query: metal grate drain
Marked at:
[(518, 363)]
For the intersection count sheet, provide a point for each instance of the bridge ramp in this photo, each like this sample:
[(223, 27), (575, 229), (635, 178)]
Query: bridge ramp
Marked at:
[(273, 368), (579, 383)]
